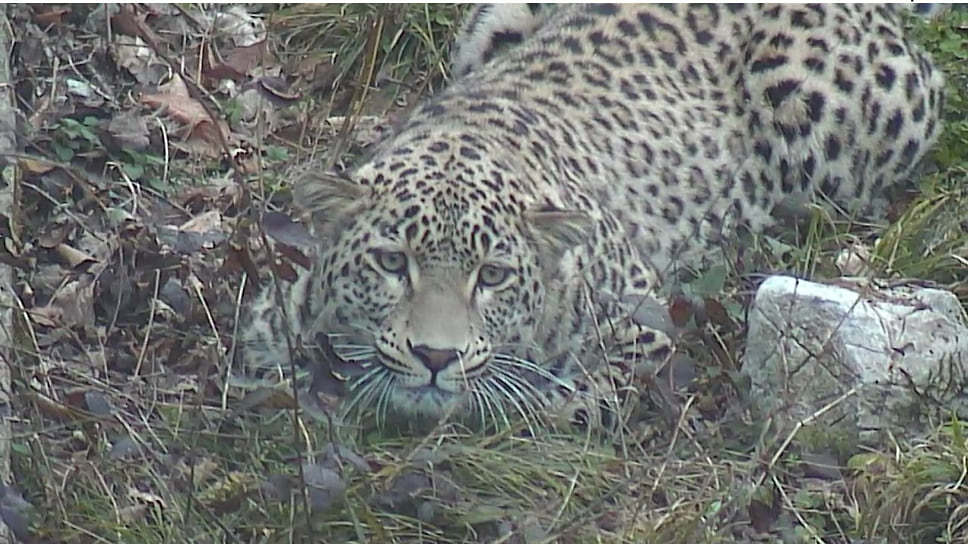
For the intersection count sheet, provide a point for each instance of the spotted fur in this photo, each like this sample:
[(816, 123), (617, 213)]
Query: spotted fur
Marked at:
[(481, 260)]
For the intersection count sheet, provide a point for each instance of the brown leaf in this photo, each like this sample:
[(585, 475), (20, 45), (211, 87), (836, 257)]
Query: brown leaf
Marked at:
[(281, 228), (50, 15), (73, 257), (237, 62), (716, 313), (55, 236), (53, 409), (71, 306), (680, 310), (203, 136), (761, 516), (279, 89), (178, 102), (131, 23), (126, 22), (202, 223), (283, 267), (36, 166)]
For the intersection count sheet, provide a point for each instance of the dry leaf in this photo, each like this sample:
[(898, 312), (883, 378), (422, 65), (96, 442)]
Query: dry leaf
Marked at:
[(56, 235), (36, 166), (134, 55), (129, 131), (199, 134), (71, 306), (73, 257), (716, 313), (680, 310), (237, 62), (51, 16), (53, 409), (178, 102), (278, 88), (206, 222), (281, 228), (326, 487)]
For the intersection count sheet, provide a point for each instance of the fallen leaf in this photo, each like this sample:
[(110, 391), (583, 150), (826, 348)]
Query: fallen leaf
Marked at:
[(200, 135), (236, 63), (71, 306), (36, 166), (326, 487), (278, 88), (177, 102), (680, 310), (281, 228), (127, 22), (129, 131), (98, 405), (208, 221), (56, 235), (716, 313), (52, 16), (125, 448), (134, 55), (73, 257)]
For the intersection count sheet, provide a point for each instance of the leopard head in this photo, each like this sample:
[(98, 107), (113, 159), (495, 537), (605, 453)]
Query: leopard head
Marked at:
[(433, 277)]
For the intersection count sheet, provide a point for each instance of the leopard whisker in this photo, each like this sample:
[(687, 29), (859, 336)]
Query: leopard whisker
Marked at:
[(486, 390), (521, 403), (512, 385), (383, 401), (478, 400), (506, 361), (365, 388), (354, 353)]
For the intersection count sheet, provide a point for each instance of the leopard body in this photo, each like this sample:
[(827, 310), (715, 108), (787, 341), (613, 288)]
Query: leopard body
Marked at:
[(481, 261)]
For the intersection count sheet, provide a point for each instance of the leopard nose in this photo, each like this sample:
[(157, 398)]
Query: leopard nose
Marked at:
[(434, 359)]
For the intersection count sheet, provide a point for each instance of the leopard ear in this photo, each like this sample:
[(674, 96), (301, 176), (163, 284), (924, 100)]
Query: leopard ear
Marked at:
[(327, 198), (556, 231)]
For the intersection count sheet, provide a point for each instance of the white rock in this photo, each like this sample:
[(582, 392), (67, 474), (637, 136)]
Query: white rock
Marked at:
[(854, 362)]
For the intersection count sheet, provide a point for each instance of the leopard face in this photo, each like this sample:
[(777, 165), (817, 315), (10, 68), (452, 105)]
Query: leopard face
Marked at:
[(434, 284)]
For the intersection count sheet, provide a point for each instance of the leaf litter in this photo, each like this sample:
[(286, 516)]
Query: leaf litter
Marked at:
[(142, 217)]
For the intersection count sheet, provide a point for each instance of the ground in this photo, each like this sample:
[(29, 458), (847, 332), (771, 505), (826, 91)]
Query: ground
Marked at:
[(152, 140)]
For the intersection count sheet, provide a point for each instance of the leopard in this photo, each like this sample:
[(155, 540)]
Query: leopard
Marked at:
[(490, 259)]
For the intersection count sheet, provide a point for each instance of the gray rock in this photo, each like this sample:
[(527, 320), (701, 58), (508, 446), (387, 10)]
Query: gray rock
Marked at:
[(856, 360)]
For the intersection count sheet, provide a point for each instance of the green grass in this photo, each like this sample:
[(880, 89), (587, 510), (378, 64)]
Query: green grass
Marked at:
[(195, 472)]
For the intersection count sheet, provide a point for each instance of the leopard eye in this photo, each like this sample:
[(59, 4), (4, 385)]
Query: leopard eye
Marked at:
[(392, 262), (491, 275)]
